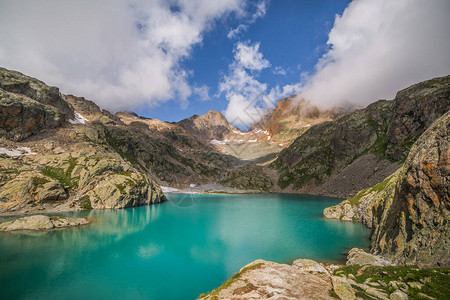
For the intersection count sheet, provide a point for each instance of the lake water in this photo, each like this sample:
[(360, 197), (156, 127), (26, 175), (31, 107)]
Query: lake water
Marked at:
[(175, 250)]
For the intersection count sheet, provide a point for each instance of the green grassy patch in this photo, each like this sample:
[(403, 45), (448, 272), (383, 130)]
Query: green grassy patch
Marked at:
[(436, 281), (84, 202), (62, 176), (39, 180)]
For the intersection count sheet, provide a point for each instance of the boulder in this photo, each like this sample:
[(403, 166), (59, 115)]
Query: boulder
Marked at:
[(309, 265), (269, 280), (360, 257), (52, 191), (342, 288), (40, 222)]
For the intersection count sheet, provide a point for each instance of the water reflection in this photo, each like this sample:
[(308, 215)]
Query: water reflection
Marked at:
[(144, 252)]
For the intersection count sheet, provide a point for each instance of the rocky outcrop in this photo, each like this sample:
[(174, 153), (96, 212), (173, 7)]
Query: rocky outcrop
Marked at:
[(365, 276), (17, 83), (40, 222), (21, 117), (360, 257), (28, 106), (360, 207), (70, 169), (268, 280), (386, 129), (412, 225), (409, 211)]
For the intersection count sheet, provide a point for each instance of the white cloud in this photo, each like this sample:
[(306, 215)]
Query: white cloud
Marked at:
[(247, 97), (121, 54), (260, 11), (249, 57), (202, 92), (279, 71), (380, 46)]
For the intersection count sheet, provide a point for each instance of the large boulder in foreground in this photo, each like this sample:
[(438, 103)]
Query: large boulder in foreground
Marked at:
[(40, 222), (269, 280), (365, 276)]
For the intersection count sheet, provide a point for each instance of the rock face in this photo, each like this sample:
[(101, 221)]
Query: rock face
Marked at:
[(210, 126), (413, 224), (268, 280), (21, 117), (386, 129), (409, 211), (360, 207), (28, 105), (40, 222)]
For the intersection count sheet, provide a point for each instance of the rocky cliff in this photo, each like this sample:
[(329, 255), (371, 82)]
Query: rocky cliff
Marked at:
[(372, 142), (409, 211), (413, 224)]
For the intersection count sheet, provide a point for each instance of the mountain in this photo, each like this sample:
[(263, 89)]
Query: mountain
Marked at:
[(210, 126), (358, 149), (61, 152), (292, 117)]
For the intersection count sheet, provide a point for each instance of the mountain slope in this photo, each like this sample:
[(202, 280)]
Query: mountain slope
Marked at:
[(386, 129)]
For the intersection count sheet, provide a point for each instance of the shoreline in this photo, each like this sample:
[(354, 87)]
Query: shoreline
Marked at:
[(206, 189)]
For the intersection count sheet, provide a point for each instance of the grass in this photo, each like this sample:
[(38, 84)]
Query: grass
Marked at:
[(436, 281), (38, 180), (60, 175), (85, 202), (376, 188)]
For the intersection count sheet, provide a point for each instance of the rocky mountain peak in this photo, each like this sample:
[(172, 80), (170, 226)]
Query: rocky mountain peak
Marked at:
[(211, 126)]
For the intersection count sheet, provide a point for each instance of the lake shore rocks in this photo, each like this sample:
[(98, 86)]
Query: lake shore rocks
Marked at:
[(365, 276), (41, 222)]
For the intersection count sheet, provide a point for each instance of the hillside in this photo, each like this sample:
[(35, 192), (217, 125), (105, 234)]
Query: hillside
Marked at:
[(358, 149), (61, 152)]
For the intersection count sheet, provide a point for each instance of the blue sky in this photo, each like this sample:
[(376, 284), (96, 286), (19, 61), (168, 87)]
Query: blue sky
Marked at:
[(170, 59), (292, 35)]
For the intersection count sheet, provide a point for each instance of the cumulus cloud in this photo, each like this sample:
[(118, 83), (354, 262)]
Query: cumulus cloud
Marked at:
[(248, 98), (380, 46), (118, 53), (249, 57), (260, 11)]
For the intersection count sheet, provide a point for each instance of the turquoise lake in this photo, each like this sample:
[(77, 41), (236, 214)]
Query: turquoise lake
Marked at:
[(175, 250)]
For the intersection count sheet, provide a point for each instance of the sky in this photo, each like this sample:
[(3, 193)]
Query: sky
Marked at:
[(175, 58)]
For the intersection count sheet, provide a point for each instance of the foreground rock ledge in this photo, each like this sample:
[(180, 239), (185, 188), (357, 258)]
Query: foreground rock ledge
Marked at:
[(40, 222), (365, 276)]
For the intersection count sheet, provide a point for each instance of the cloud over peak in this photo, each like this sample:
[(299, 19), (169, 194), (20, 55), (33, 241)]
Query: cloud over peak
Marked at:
[(380, 46)]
